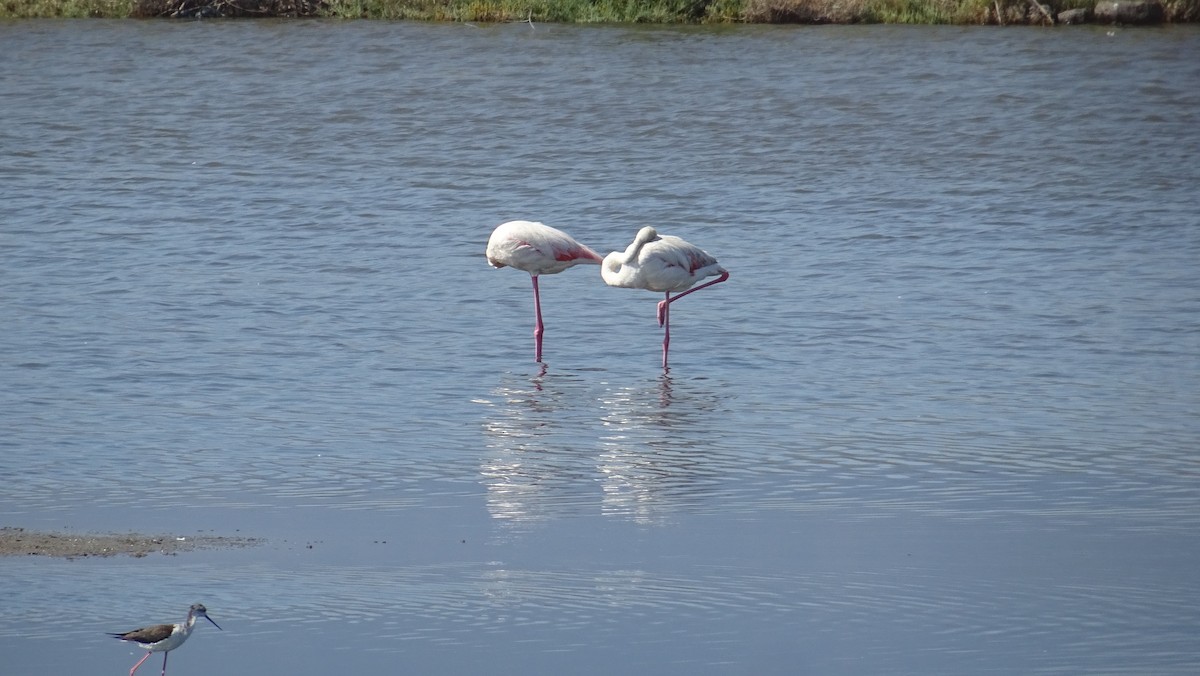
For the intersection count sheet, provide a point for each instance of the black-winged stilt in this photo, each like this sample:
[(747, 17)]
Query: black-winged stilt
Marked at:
[(163, 638)]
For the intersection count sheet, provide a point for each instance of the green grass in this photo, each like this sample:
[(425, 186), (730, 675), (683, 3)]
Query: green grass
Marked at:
[(66, 9), (552, 11), (926, 12), (586, 11)]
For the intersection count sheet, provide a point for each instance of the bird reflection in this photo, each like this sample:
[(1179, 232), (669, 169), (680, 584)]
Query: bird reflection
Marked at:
[(655, 460), (664, 390), (558, 444), (535, 443)]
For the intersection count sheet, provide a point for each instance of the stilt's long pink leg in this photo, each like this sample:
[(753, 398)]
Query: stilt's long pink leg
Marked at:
[(164, 673), (538, 329), (135, 667)]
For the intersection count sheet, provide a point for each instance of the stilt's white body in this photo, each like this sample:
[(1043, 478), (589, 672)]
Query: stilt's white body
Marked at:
[(661, 263), (537, 249), (179, 634)]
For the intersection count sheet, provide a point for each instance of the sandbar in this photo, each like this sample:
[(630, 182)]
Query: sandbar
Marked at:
[(21, 542)]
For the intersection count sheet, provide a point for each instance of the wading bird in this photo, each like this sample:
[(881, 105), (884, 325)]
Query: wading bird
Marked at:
[(163, 638), (539, 250), (661, 263)]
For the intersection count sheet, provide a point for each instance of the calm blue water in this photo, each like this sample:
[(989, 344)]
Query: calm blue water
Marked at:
[(942, 419)]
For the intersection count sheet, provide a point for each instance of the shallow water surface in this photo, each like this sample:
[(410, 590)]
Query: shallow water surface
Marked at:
[(942, 419)]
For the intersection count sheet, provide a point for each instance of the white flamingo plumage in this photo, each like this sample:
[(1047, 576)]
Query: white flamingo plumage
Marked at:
[(662, 263), (537, 249)]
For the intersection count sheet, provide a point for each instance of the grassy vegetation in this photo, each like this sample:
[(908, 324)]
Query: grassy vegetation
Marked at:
[(588, 11), (67, 9), (552, 11)]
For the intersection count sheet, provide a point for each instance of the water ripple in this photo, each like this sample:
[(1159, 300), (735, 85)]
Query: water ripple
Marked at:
[(963, 293)]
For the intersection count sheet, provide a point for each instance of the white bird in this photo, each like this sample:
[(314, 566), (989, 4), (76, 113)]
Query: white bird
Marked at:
[(163, 638), (537, 249), (661, 263)]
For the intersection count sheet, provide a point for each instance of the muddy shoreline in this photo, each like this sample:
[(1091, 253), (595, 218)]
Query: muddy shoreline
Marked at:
[(16, 541)]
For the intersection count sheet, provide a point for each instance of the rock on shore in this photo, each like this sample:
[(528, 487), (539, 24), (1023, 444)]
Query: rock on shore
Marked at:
[(1129, 12)]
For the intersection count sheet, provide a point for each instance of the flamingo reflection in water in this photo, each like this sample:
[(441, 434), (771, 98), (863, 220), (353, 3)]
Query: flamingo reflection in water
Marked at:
[(532, 469), (657, 454), (553, 440)]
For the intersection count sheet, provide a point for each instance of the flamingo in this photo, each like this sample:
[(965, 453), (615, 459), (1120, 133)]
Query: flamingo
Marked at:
[(537, 249), (661, 263), (163, 638)]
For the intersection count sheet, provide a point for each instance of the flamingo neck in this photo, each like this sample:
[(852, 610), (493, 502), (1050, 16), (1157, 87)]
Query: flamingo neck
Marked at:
[(635, 248), (612, 269)]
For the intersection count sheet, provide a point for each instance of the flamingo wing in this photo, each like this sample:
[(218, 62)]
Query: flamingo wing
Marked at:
[(671, 264)]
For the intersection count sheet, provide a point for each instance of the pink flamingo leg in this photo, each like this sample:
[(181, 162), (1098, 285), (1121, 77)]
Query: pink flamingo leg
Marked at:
[(538, 329), (662, 304), (135, 667), (664, 320), (664, 311), (724, 276)]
